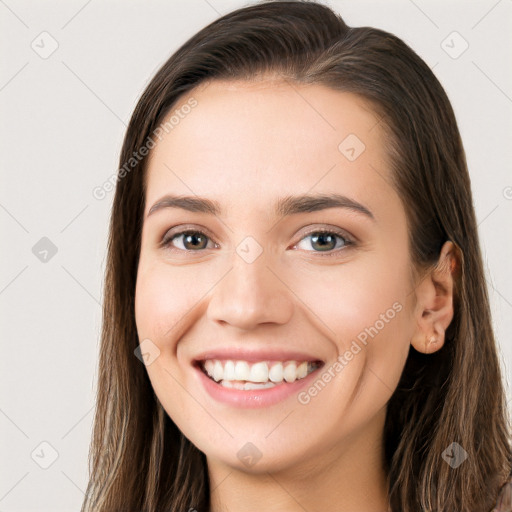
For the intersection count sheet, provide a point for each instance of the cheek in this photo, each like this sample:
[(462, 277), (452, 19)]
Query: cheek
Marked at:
[(363, 308), (163, 299)]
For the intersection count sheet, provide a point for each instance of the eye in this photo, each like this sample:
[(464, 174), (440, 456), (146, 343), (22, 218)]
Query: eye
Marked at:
[(325, 241), (188, 240)]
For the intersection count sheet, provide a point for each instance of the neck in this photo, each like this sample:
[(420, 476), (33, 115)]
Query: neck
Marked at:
[(347, 477)]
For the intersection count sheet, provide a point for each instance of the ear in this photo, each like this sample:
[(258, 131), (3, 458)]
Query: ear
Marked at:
[(434, 305)]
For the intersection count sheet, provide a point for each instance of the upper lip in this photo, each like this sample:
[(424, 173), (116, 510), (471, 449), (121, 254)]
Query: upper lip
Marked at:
[(245, 354)]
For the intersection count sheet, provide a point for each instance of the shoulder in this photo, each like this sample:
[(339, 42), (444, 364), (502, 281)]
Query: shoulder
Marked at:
[(504, 503)]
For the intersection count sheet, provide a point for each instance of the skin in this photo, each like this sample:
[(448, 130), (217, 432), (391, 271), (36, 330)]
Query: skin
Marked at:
[(245, 145)]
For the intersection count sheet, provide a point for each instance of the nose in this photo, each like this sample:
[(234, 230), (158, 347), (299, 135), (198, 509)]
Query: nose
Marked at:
[(251, 294)]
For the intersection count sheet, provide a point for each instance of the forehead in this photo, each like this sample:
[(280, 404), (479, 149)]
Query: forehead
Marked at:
[(244, 141)]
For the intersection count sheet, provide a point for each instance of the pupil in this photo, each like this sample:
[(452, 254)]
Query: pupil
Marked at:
[(193, 238), (324, 239)]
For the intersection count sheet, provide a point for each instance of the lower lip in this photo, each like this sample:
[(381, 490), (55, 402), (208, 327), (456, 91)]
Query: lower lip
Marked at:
[(253, 398)]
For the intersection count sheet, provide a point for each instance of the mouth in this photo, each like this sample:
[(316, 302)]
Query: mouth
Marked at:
[(255, 375)]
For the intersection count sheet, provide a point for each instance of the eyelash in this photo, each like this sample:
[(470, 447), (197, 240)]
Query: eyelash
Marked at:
[(348, 242)]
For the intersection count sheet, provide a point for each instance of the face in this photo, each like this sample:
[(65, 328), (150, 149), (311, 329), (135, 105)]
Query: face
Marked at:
[(269, 279)]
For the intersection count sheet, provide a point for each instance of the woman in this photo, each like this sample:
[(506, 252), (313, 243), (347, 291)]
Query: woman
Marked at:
[(295, 313)]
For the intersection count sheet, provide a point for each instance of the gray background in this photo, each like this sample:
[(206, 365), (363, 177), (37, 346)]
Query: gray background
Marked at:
[(63, 118)]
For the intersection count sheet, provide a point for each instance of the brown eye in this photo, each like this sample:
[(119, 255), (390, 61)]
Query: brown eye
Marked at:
[(324, 241), (186, 240)]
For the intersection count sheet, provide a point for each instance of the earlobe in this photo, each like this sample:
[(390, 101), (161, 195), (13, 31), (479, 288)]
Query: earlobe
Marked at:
[(434, 305)]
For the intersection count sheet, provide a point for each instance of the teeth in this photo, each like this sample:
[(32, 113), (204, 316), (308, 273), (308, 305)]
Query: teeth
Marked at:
[(302, 370), (241, 370), (290, 372), (218, 371), (208, 366), (229, 371), (260, 375), (247, 386), (276, 373)]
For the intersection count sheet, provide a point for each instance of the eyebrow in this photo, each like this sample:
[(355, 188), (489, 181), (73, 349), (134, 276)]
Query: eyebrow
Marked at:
[(288, 205)]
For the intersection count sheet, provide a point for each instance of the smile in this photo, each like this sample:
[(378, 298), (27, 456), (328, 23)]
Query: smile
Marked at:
[(244, 375), (245, 384)]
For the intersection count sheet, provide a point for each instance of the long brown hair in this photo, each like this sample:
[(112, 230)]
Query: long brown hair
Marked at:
[(139, 459)]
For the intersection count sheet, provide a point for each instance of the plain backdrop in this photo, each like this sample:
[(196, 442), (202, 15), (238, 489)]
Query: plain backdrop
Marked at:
[(71, 75)]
